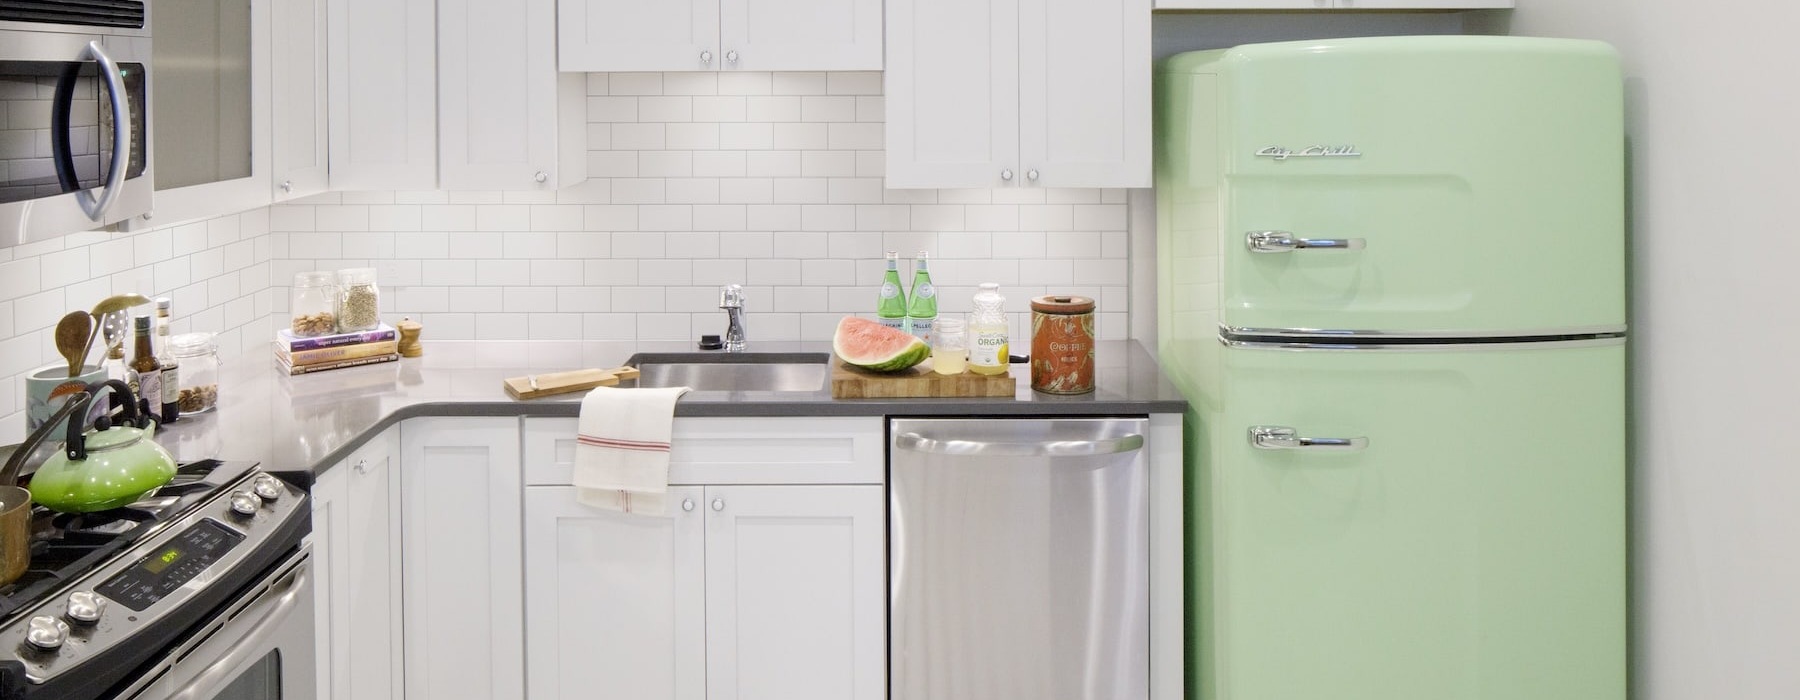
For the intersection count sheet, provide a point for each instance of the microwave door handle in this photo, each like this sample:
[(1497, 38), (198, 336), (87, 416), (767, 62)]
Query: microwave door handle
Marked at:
[(219, 672), (96, 207), (61, 149)]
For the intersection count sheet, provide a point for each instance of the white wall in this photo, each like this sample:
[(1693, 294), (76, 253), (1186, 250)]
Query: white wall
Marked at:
[(771, 180), (1714, 123)]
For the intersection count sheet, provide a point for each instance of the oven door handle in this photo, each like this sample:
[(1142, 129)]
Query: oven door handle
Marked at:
[(96, 207), (217, 674)]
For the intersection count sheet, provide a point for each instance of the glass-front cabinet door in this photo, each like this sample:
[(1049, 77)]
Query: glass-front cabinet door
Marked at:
[(210, 108)]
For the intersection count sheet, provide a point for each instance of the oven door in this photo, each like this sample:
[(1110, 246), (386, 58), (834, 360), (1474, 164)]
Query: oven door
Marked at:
[(259, 647), (74, 129)]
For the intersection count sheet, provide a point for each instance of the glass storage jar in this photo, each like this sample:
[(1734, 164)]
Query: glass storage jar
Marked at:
[(359, 305), (313, 304), (198, 355)]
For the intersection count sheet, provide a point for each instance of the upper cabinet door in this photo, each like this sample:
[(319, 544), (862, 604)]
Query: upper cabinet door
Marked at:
[(383, 62), (638, 35), (953, 93), (500, 95), (772, 35), (1084, 93), (298, 76)]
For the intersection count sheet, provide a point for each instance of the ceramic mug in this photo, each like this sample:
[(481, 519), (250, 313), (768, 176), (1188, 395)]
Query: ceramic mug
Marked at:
[(46, 389)]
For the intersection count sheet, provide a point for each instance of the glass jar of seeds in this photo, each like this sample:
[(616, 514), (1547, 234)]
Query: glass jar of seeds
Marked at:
[(360, 305), (313, 304), (198, 354)]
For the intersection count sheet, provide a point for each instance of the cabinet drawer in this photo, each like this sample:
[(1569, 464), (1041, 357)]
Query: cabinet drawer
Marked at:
[(733, 451)]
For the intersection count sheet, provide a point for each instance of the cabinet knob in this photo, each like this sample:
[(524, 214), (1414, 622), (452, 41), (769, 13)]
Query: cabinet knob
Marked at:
[(1031, 175), (731, 57), (541, 176), (687, 504), (287, 185), (362, 466), (706, 57), (718, 504), (1006, 175)]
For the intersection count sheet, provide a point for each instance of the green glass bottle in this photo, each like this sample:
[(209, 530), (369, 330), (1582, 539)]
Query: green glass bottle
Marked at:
[(921, 310), (892, 306)]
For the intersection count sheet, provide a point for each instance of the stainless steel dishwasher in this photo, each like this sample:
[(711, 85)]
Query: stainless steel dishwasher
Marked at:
[(1019, 559)]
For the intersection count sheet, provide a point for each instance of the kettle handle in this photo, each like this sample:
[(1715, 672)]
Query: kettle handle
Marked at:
[(76, 444), (9, 475)]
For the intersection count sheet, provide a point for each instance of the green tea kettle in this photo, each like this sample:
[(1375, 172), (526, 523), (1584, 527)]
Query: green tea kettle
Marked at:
[(111, 466)]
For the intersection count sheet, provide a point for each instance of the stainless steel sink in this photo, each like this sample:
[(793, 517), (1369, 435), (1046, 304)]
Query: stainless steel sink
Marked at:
[(743, 371)]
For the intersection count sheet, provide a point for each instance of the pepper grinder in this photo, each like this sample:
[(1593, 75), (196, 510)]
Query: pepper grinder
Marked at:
[(409, 337)]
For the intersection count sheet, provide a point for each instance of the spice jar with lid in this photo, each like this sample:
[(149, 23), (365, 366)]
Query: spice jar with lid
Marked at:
[(313, 304), (360, 305), (1062, 344), (198, 355)]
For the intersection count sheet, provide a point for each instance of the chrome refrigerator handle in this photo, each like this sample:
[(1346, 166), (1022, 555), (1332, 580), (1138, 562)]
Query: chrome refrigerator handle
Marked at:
[(1286, 242), (1060, 448), (95, 208), (1280, 437)]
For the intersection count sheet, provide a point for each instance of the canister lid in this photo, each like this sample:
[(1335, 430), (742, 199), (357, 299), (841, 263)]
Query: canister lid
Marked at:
[(1062, 304)]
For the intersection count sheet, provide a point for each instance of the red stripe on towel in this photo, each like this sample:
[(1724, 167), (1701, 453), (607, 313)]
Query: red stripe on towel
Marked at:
[(622, 444)]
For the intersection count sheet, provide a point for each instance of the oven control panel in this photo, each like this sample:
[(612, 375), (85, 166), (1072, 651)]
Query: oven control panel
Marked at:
[(150, 582)]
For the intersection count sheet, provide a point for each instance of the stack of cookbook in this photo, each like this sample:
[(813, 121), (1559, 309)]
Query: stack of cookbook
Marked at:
[(297, 355)]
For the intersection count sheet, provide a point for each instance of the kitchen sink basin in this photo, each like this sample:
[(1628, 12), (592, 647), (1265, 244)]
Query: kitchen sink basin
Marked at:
[(742, 371)]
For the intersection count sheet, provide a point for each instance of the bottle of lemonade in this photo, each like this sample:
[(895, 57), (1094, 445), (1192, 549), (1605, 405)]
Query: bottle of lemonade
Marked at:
[(988, 332), (921, 308), (891, 308)]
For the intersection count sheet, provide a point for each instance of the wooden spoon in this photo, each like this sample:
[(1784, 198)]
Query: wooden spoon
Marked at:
[(73, 334)]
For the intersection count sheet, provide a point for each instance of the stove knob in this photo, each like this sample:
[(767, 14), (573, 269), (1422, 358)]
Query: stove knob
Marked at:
[(268, 487), (46, 633), (85, 607), (245, 503)]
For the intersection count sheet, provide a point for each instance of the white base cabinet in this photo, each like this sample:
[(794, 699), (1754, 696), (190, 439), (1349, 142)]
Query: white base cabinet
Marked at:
[(356, 533), (460, 547)]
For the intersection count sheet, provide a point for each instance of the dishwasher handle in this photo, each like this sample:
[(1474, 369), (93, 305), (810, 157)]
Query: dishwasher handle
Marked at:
[(915, 442)]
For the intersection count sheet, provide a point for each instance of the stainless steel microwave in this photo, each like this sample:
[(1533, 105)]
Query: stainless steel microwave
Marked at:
[(74, 116)]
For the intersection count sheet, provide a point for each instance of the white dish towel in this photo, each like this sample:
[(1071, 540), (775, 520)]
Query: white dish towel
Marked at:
[(622, 448)]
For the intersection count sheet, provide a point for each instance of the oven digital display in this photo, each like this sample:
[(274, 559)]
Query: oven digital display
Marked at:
[(160, 573)]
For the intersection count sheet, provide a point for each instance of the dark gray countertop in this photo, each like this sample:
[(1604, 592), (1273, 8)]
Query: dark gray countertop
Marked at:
[(309, 423)]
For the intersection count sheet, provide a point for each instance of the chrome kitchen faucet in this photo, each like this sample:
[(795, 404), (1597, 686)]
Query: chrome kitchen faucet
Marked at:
[(731, 299)]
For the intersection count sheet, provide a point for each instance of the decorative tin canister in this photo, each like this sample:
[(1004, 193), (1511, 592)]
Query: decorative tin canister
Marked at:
[(1062, 344)]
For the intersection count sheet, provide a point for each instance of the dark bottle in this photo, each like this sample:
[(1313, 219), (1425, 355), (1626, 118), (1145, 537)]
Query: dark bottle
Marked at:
[(171, 370), (149, 371)]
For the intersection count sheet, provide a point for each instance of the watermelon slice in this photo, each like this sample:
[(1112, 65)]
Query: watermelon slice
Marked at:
[(877, 348)]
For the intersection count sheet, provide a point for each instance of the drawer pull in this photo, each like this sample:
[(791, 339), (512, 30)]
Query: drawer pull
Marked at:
[(1278, 437)]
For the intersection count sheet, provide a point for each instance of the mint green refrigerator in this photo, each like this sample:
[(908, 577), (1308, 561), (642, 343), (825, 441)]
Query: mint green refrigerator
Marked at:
[(1392, 284)]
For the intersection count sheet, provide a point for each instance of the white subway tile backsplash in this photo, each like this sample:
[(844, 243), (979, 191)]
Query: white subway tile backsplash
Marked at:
[(853, 83), (634, 84), (696, 136), (745, 83), (747, 136)]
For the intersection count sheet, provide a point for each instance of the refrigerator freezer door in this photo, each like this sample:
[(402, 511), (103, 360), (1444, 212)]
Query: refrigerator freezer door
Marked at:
[(1432, 186), (1454, 531)]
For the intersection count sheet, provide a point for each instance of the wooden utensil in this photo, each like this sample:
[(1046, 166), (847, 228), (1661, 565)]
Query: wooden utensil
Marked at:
[(848, 382), (538, 386), (73, 335), (115, 305)]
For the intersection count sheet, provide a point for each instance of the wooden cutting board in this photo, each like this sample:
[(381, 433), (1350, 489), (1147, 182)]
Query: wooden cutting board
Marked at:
[(555, 383), (849, 382)]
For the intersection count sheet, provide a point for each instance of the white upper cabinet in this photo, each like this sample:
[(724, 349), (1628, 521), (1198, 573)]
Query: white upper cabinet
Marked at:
[(952, 93), (792, 35), (1332, 4), (383, 60), (634, 35), (997, 93), (1084, 93), (703, 35), (297, 45), (508, 119)]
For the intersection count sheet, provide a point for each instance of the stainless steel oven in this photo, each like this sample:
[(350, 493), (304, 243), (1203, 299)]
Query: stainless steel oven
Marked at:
[(260, 647), (74, 116)]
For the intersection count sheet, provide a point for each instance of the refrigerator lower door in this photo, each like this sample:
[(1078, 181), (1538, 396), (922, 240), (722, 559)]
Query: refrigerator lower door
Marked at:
[(1019, 559), (1415, 525)]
